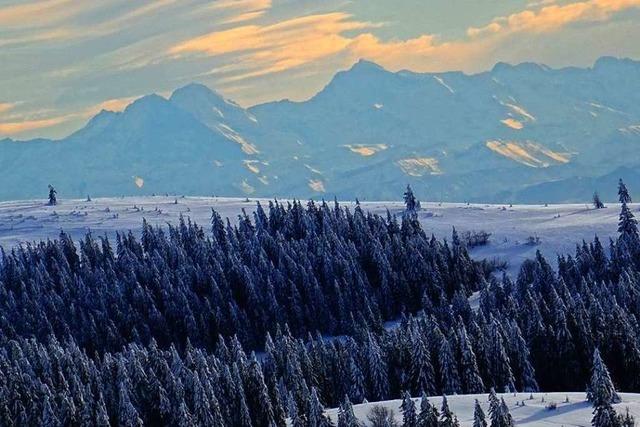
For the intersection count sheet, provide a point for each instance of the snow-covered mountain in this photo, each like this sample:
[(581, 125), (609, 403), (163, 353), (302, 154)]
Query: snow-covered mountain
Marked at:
[(523, 133)]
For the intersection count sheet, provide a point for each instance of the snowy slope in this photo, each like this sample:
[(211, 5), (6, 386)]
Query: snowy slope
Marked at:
[(559, 227), (577, 412)]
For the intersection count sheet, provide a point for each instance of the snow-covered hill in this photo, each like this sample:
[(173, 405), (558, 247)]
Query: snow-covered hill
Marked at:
[(558, 227), (576, 412), (524, 133)]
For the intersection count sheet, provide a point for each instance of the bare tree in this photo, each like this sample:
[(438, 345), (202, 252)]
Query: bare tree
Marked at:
[(379, 416)]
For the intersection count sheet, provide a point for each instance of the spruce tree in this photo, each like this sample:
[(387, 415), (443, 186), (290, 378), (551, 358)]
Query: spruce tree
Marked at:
[(628, 225), (295, 417), (377, 370), (623, 193), (447, 418), (478, 416), (428, 416), (470, 375), (602, 394), (421, 369), (495, 410), (346, 417), (315, 413), (53, 199), (507, 419), (597, 203), (408, 409), (410, 201), (448, 369), (49, 418), (127, 413)]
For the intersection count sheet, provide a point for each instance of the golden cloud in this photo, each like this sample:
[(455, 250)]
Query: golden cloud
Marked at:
[(260, 50), (12, 128), (6, 106), (554, 17), (20, 13), (27, 124)]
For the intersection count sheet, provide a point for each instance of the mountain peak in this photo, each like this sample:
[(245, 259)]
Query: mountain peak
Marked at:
[(365, 65), (502, 67), (609, 62), (196, 89), (147, 101)]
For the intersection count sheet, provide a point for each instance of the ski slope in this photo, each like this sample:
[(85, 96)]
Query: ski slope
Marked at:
[(576, 412), (559, 227)]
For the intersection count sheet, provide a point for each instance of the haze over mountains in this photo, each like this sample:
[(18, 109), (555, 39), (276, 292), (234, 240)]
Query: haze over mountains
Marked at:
[(523, 133)]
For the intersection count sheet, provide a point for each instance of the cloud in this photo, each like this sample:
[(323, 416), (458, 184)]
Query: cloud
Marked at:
[(259, 50), (37, 13), (117, 104), (6, 106), (554, 17), (26, 124), (13, 128)]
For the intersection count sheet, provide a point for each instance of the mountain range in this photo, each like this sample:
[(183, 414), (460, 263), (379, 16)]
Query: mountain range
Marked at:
[(522, 133)]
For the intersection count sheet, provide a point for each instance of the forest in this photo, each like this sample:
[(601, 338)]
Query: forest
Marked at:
[(296, 309)]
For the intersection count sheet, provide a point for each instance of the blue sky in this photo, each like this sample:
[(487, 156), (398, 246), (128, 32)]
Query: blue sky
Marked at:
[(64, 60)]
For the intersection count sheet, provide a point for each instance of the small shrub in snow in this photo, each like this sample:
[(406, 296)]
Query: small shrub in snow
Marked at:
[(533, 240), (551, 406), (475, 238), (379, 416)]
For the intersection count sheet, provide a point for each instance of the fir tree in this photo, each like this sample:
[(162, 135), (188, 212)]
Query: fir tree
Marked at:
[(127, 413), (507, 419), (377, 369), (315, 413), (410, 201), (478, 416), (602, 394), (428, 416), (346, 417), (623, 193), (597, 203), (448, 369), (49, 418), (470, 375), (447, 418), (408, 409), (421, 369), (53, 200), (628, 225), (495, 410)]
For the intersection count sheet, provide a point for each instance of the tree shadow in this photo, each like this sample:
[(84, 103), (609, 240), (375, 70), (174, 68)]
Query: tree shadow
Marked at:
[(561, 409)]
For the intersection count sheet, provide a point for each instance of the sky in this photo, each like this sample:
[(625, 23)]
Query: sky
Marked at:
[(62, 61)]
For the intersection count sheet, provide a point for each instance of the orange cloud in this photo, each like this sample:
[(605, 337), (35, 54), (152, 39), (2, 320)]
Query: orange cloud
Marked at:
[(27, 124), (39, 13), (117, 104), (6, 106), (260, 50), (554, 17), (12, 128)]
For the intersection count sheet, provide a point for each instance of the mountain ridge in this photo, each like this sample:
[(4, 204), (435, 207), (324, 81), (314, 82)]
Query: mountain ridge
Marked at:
[(516, 126)]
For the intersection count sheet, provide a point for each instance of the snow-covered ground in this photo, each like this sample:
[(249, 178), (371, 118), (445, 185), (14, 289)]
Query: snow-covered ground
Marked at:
[(576, 412), (559, 227)]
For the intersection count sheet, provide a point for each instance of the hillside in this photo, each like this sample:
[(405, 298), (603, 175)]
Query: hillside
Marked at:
[(575, 412), (559, 227), (524, 133)]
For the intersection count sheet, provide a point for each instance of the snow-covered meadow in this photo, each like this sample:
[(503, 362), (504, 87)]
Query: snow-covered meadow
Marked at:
[(574, 412), (558, 227)]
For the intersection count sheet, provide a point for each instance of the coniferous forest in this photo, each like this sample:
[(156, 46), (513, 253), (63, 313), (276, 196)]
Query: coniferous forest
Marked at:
[(299, 308)]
